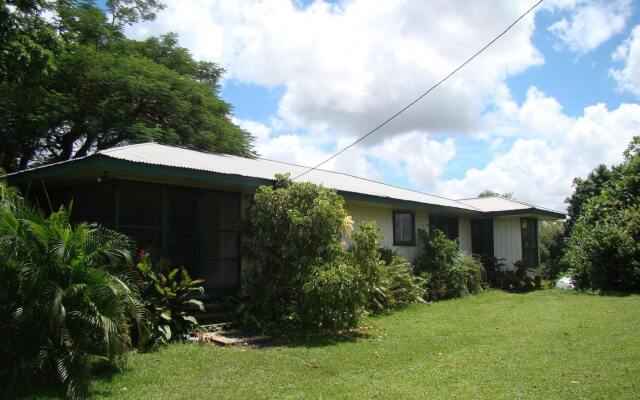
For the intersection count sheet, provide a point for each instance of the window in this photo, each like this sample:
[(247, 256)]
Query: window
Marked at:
[(448, 225), (404, 228), (529, 241)]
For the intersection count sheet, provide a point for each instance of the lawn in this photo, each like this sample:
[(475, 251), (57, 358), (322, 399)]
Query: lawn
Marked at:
[(496, 345)]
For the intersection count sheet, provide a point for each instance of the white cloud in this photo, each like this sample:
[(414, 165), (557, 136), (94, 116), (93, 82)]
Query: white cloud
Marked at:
[(540, 167), (344, 68), (591, 23), (425, 158), (628, 78)]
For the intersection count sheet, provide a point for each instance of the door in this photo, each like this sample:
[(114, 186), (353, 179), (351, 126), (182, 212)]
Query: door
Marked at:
[(482, 237), (183, 228), (529, 231), (221, 239)]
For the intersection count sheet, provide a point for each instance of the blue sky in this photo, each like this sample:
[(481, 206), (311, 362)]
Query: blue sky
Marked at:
[(545, 104)]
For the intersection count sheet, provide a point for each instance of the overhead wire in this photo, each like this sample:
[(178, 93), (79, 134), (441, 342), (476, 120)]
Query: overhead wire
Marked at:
[(417, 99)]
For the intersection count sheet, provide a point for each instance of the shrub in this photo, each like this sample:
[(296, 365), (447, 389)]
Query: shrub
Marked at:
[(401, 284), (518, 277), (494, 268), (303, 280), (603, 248), (74, 297), (446, 271), (169, 298), (366, 257), (387, 284)]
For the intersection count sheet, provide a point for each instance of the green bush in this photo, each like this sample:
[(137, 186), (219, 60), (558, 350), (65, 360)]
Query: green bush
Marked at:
[(387, 284), (401, 284), (170, 299), (74, 298), (603, 248), (494, 268), (302, 280), (447, 272)]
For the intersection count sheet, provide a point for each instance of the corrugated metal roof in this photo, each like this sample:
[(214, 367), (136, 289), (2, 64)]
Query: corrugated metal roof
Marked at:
[(501, 204), (171, 156), (157, 154)]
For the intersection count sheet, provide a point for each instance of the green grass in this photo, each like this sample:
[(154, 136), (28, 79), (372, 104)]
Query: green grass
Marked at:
[(496, 345)]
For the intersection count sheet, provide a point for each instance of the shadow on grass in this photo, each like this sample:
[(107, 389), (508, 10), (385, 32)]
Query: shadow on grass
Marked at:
[(32, 393), (323, 340)]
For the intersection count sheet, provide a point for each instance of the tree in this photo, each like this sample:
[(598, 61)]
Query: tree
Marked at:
[(491, 193), (584, 189), (103, 90), (603, 247)]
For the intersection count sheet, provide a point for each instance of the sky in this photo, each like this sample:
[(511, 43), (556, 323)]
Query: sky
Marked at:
[(552, 99)]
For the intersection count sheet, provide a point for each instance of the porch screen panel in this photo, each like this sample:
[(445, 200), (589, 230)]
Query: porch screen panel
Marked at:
[(183, 232), (530, 241), (92, 203), (139, 213), (221, 239)]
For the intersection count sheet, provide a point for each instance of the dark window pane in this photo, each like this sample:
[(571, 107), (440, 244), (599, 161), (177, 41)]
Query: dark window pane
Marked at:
[(403, 228), (448, 225), (140, 204)]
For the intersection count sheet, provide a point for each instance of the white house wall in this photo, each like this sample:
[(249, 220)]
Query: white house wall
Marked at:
[(384, 217), (507, 240)]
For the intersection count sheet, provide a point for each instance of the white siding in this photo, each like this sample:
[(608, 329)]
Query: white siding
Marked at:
[(507, 240), (384, 217), (464, 235)]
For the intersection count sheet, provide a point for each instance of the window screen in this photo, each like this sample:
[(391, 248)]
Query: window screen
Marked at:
[(404, 232)]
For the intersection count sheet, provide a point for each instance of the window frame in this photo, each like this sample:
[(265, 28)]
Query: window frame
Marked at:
[(411, 242)]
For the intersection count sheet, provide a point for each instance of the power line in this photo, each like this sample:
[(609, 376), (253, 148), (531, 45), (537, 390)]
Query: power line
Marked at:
[(405, 108)]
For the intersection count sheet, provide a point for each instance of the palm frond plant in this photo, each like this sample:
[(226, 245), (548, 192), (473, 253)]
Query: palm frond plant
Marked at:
[(75, 296)]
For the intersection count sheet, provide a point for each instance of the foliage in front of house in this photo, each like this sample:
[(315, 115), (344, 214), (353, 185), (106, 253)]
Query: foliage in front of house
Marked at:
[(448, 273), (71, 296), (603, 249), (169, 296), (68, 297), (304, 280)]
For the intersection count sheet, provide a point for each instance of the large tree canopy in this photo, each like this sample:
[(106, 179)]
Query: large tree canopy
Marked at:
[(87, 87)]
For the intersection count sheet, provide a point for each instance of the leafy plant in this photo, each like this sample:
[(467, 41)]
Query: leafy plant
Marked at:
[(170, 299), (303, 280), (74, 296), (401, 284), (447, 272), (494, 268), (518, 278)]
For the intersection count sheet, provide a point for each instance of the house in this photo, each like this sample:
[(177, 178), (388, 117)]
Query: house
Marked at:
[(188, 206)]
